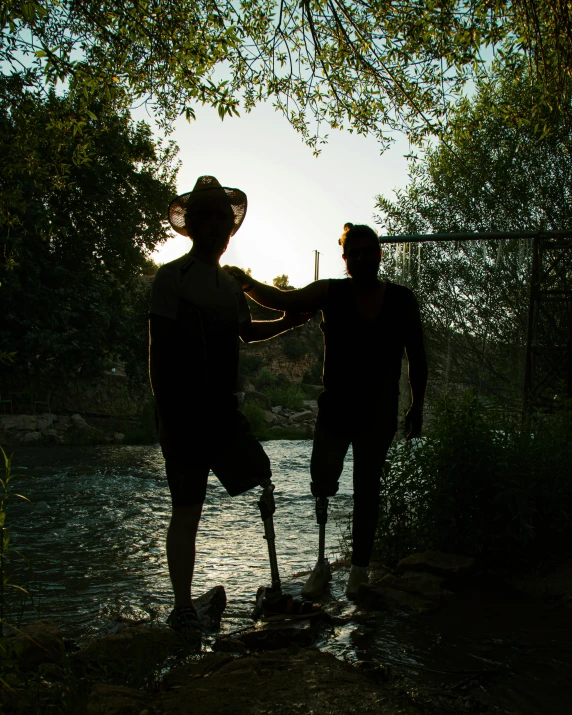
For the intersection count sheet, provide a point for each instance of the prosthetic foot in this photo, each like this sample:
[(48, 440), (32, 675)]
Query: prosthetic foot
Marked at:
[(321, 575), (271, 603)]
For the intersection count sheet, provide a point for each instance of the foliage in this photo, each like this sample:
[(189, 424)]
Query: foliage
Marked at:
[(481, 484), (290, 396), (76, 234), (314, 375), (294, 346), (373, 67), (282, 282), (255, 415), (6, 550), (248, 366), (493, 173)]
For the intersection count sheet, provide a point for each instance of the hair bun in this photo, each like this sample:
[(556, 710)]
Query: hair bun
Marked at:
[(348, 226)]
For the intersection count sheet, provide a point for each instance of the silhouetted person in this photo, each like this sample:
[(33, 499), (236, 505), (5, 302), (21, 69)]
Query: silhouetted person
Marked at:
[(367, 323), (197, 313)]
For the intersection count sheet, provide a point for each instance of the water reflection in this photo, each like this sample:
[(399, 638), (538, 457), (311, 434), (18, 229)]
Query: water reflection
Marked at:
[(96, 528)]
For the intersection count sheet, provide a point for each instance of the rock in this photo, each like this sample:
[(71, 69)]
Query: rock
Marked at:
[(277, 410), (269, 417), (118, 437), (45, 420), (52, 434), (240, 399), (195, 669), (378, 598), (311, 405), (29, 422), (438, 563), (108, 699), (140, 647), (278, 637), (64, 421), (210, 607), (554, 582), (52, 672), (423, 584), (39, 642), (228, 645), (257, 398), (302, 416), (31, 436), (10, 422), (78, 422)]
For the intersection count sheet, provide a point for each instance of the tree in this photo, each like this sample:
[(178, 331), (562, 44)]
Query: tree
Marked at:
[(281, 282), (370, 66), (76, 236), (501, 176)]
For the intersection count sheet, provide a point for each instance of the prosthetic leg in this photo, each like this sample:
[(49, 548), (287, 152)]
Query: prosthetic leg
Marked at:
[(321, 575), (271, 600)]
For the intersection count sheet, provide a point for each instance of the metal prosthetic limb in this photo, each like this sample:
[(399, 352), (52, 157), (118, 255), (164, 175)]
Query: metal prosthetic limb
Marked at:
[(267, 508), (321, 575), (322, 519)]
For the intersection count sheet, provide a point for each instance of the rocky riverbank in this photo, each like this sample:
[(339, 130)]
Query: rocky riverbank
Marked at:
[(438, 635)]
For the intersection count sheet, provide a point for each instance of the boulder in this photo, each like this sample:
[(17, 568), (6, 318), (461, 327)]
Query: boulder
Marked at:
[(378, 598), (140, 647), (10, 422), (108, 699), (78, 422), (37, 643), (29, 422), (437, 562), (240, 399), (52, 434), (423, 584), (210, 607), (257, 398), (45, 421), (277, 410), (64, 420), (302, 416), (32, 436), (228, 645), (118, 437), (269, 417), (278, 637)]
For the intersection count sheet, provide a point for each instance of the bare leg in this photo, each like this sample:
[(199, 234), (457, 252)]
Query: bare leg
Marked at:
[(181, 537)]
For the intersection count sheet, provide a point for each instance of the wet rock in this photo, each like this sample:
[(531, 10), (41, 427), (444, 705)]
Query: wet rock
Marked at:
[(138, 648), (39, 642), (283, 682), (108, 699), (276, 637), (195, 669), (210, 607), (449, 566), (302, 416), (378, 598), (228, 645)]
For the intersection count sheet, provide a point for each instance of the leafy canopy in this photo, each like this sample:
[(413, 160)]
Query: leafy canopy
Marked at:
[(372, 66), (76, 236)]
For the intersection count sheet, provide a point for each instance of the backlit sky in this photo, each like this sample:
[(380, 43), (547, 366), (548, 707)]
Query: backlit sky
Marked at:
[(296, 202)]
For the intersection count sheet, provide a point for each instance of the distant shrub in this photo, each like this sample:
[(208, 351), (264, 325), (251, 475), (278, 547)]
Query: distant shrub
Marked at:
[(248, 366), (291, 396), (313, 376), (294, 347), (480, 484), (267, 380), (255, 415)]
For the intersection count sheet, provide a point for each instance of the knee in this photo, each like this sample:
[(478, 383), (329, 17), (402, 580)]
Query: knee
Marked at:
[(186, 517)]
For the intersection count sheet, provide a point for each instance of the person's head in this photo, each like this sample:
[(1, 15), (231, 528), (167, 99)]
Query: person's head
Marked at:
[(209, 215), (361, 252)]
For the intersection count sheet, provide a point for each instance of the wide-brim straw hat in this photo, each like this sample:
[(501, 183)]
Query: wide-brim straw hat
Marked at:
[(207, 187)]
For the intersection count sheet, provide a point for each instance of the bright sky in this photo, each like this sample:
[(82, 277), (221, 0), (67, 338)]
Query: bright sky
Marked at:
[(297, 203)]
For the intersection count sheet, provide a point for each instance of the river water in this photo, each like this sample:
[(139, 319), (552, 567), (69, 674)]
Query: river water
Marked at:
[(95, 532)]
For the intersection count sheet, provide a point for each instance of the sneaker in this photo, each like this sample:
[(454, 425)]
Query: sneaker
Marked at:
[(318, 580), (184, 620), (358, 575)]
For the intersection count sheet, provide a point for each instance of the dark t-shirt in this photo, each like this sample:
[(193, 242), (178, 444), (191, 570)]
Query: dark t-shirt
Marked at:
[(362, 359), (207, 305)]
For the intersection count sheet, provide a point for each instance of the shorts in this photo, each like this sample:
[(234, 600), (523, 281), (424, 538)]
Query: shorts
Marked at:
[(225, 445)]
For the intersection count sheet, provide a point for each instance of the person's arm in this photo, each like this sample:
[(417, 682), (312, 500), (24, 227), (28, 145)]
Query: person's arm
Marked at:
[(303, 300), (252, 331), (418, 371)]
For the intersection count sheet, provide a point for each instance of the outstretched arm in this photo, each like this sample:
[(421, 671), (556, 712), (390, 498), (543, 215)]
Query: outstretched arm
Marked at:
[(252, 331), (417, 363), (304, 300)]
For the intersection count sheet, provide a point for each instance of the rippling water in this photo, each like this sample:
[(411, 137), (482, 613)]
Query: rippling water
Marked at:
[(95, 531)]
